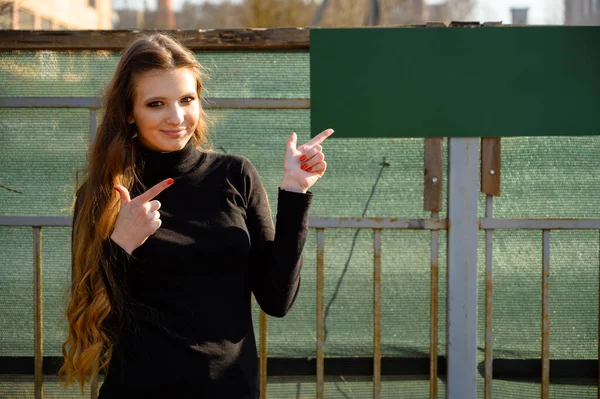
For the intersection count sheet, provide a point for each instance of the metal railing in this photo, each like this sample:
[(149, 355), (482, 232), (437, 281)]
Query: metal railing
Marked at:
[(489, 224)]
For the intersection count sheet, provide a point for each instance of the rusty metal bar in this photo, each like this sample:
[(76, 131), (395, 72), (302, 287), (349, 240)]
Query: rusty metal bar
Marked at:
[(50, 102), (379, 223), (320, 314), (433, 332), (546, 315), (369, 223), (94, 385), (30, 221), (377, 314), (540, 224), (489, 298), (208, 103), (38, 313), (263, 354)]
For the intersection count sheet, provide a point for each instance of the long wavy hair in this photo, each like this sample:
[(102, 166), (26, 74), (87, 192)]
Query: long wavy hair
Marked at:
[(97, 305)]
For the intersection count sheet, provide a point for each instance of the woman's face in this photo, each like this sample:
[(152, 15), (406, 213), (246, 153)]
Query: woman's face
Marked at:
[(166, 108)]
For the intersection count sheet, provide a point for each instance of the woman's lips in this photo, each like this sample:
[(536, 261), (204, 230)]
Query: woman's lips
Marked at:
[(174, 133)]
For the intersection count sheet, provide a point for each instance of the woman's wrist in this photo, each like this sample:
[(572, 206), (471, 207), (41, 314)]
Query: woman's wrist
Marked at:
[(292, 186), (122, 244)]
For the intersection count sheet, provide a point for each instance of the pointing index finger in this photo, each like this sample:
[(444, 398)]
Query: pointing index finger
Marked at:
[(154, 191), (319, 138)]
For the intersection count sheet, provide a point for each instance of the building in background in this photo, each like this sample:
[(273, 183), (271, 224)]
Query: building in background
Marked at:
[(56, 14), (520, 12), (582, 12)]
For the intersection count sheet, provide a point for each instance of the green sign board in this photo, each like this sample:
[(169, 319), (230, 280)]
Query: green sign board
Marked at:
[(456, 82)]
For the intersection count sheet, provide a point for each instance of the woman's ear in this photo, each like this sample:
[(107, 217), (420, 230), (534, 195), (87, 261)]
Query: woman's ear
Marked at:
[(130, 120)]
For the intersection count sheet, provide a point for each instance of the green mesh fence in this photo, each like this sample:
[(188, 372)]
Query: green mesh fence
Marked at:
[(86, 73), (41, 150)]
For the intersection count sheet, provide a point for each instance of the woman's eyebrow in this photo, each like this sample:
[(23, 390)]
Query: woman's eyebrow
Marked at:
[(162, 98)]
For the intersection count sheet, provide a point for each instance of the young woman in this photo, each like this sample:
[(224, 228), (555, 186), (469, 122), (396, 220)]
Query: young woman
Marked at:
[(170, 241)]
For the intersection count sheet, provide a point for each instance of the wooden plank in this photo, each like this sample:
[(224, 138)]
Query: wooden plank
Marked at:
[(432, 192), (217, 39), (460, 24), (436, 24), (490, 165)]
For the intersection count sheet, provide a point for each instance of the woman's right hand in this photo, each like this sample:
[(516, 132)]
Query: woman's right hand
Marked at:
[(138, 218)]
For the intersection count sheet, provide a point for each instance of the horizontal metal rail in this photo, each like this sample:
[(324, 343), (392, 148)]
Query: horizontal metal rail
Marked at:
[(208, 103), (539, 224), (30, 221), (317, 223), (369, 223)]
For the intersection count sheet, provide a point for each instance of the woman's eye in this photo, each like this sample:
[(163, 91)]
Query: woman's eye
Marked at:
[(155, 104), (188, 99)]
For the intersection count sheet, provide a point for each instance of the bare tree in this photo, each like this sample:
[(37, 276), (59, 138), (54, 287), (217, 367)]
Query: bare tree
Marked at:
[(277, 13), (326, 13)]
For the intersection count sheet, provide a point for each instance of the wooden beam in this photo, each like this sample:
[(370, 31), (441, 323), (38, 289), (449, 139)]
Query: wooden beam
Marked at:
[(217, 39), (434, 175)]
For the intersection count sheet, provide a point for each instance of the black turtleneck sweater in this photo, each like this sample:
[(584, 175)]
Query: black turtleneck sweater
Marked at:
[(188, 287)]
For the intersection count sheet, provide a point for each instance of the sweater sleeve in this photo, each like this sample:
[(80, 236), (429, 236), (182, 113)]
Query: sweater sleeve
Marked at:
[(116, 257), (276, 252)]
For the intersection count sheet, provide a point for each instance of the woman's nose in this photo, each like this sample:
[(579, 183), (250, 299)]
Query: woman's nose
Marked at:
[(175, 116)]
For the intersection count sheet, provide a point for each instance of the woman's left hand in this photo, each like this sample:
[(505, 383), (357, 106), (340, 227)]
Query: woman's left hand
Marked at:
[(304, 165)]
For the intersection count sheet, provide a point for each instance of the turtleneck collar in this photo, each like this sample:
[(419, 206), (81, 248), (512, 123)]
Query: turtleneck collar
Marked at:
[(156, 166)]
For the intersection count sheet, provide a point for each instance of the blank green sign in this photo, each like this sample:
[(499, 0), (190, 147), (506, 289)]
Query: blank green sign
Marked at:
[(456, 82)]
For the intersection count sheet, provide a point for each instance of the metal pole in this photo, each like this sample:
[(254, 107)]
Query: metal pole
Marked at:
[(320, 314), (434, 298), (377, 314), (545, 314), (37, 312), (263, 354), (463, 155), (489, 299)]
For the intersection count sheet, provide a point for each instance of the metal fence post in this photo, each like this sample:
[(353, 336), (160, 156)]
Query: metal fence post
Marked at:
[(463, 156)]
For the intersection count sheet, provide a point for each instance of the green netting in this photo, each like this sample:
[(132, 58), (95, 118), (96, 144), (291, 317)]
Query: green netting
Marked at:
[(56, 254), (342, 387), (40, 150), (21, 387), (16, 291), (549, 177), (86, 73)]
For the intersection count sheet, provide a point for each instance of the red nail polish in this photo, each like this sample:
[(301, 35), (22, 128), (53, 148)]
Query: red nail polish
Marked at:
[(170, 181), (309, 169), (303, 158), (304, 166)]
